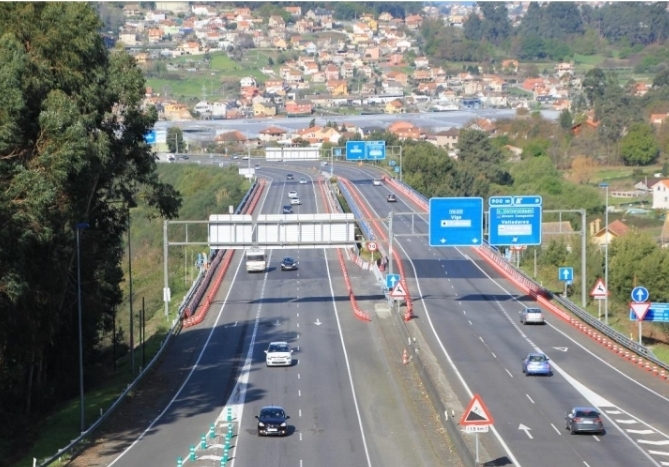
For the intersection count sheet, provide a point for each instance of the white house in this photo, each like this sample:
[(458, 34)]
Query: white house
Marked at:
[(661, 195), (247, 81)]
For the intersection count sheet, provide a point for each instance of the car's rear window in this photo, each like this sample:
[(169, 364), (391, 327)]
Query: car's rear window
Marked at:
[(588, 414), (533, 310)]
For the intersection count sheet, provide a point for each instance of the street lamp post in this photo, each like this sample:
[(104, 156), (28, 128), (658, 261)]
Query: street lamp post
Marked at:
[(606, 254), (80, 227)]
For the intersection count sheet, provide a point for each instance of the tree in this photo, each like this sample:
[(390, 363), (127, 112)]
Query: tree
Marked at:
[(638, 146), (72, 143), (594, 84), (478, 153), (175, 140), (566, 120), (582, 169), (312, 123)]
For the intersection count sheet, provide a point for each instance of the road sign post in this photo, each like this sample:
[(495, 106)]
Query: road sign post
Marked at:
[(514, 220), (599, 293), (455, 221), (391, 280), (640, 310), (566, 275), (475, 417)]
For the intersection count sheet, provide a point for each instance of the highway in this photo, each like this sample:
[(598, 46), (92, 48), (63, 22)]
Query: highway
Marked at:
[(346, 405), (469, 317)]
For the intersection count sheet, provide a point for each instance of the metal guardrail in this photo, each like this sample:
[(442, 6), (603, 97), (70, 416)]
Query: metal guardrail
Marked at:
[(177, 322), (351, 204)]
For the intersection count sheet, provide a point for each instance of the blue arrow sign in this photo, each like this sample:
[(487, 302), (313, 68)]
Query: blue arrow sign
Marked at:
[(566, 274), (658, 313), (455, 221), (391, 280), (355, 150), (397, 168), (640, 294), (515, 220)]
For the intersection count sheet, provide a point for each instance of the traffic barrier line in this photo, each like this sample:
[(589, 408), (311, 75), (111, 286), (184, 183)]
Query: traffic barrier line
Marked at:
[(342, 264), (203, 307)]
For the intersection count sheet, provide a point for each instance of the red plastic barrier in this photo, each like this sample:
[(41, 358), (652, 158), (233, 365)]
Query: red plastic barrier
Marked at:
[(203, 309), (354, 304), (409, 305)]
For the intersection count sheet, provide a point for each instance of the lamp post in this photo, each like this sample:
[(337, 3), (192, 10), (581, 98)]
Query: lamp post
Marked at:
[(606, 254), (80, 227)]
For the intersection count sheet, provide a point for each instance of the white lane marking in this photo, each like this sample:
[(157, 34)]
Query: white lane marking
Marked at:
[(640, 432), (241, 382), (481, 339), (556, 429), (509, 372), (299, 413), (660, 453), (613, 412), (299, 393), (470, 322), (528, 396), (348, 365), (493, 354), (663, 442), (664, 463), (626, 422)]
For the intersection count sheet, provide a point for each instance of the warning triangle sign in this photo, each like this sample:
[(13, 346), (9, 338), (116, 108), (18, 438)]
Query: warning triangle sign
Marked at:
[(398, 291), (640, 309), (599, 290), (476, 413)]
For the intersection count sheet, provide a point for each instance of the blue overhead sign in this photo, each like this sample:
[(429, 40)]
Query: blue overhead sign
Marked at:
[(514, 220), (658, 313), (365, 150), (640, 294), (455, 221), (566, 274), (355, 150)]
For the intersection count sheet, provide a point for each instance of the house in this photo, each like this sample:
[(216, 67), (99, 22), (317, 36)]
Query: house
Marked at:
[(175, 112), (264, 109), (231, 137), (421, 62), (510, 64), (394, 107), (247, 81), (564, 68), (155, 35), (385, 17), (128, 39), (405, 130), (295, 11), (661, 195), (331, 72), (271, 133), (601, 236), (274, 86), (189, 48), (658, 119), (413, 21), (482, 124), (299, 107), (276, 21), (447, 138), (337, 87), (398, 76)]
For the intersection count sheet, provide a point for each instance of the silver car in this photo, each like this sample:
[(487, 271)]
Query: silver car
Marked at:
[(584, 419), (532, 316)]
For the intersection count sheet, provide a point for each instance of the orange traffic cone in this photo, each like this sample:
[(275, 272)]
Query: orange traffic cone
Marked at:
[(405, 357)]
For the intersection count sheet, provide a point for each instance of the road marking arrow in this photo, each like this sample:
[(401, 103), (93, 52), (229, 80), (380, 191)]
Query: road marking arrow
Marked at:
[(561, 349), (276, 323), (318, 322), (526, 429)]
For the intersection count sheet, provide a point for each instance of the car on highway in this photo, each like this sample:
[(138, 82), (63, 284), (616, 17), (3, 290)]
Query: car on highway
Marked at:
[(531, 315), (391, 198), (303, 181), (257, 166), (287, 209), (537, 364), (278, 354), (290, 177), (376, 182), (245, 158), (584, 419), (292, 194), (272, 421), (235, 156), (288, 264), (295, 201)]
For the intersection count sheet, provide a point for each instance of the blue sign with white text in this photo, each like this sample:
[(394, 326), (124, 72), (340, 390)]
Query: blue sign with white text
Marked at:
[(355, 150), (456, 221), (658, 313), (376, 150), (514, 220), (566, 274), (150, 137)]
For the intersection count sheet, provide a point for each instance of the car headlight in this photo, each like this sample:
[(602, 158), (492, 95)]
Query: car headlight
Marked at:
[(283, 425), (261, 424)]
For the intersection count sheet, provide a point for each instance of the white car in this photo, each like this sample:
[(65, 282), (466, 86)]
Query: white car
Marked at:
[(278, 354), (292, 194), (295, 201), (376, 182), (245, 158), (303, 181), (531, 316)]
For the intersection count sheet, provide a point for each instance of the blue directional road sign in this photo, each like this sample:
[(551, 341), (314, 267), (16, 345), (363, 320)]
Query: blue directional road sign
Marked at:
[(658, 313), (392, 163), (337, 152), (150, 137), (391, 280), (456, 221), (375, 150), (640, 294), (566, 274), (514, 220), (397, 168), (355, 150)]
